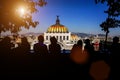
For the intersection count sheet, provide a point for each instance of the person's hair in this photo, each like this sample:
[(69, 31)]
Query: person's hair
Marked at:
[(116, 39), (24, 40), (40, 38), (87, 41), (79, 42), (6, 39), (53, 40)]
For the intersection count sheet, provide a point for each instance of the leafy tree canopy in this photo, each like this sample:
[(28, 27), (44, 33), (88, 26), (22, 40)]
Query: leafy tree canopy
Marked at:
[(113, 7), (15, 14), (113, 12), (113, 19)]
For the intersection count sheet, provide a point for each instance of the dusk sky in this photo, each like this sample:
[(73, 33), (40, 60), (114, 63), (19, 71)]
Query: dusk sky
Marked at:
[(82, 16)]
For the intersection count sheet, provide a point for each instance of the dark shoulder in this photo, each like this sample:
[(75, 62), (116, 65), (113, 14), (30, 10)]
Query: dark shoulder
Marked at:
[(50, 45), (75, 45), (36, 44), (58, 45)]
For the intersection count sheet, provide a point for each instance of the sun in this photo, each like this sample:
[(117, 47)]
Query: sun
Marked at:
[(22, 11)]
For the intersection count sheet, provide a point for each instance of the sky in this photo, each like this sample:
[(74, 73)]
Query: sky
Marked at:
[(82, 16)]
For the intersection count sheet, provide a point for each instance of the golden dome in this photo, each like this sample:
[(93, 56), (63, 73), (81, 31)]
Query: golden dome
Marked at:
[(74, 37), (57, 28)]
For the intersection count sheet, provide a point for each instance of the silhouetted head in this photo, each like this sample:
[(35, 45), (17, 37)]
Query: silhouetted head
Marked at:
[(115, 39), (53, 40), (6, 40), (80, 42), (40, 38), (87, 41), (24, 40), (0, 39)]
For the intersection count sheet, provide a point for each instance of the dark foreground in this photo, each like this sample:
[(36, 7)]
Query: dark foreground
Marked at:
[(45, 66)]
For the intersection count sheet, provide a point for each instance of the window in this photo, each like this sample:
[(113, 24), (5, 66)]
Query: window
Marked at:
[(63, 37), (67, 37), (57, 37), (46, 37), (60, 38)]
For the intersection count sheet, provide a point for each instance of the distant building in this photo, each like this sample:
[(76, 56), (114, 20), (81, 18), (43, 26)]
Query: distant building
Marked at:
[(62, 34)]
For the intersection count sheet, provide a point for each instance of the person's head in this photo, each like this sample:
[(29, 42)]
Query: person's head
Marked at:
[(6, 39), (79, 42), (53, 40), (87, 41), (24, 40), (40, 38), (115, 39)]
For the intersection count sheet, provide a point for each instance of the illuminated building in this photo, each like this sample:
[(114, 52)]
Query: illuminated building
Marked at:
[(62, 34)]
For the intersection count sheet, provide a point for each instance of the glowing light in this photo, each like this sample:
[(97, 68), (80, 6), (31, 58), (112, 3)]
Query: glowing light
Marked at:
[(22, 11), (57, 29)]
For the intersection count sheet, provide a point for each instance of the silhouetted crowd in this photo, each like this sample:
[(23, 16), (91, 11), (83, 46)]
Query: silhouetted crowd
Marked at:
[(82, 63)]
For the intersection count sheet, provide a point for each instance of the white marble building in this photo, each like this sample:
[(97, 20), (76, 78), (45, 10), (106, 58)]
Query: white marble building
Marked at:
[(62, 34)]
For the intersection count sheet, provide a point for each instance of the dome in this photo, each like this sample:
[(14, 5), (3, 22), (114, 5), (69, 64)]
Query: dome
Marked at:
[(57, 28), (74, 37)]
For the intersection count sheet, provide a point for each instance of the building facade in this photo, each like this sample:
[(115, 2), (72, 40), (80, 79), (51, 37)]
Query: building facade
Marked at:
[(62, 34)]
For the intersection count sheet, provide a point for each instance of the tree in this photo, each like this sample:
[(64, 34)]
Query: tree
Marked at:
[(15, 14), (109, 23), (113, 11)]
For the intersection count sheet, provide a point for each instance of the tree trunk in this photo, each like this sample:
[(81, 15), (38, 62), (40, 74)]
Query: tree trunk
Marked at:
[(106, 36)]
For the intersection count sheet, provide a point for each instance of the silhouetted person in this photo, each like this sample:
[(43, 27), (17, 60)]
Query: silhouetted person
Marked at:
[(54, 47), (79, 43), (40, 47), (89, 47), (24, 46), (96, 42), (79, 62), (115, 47), (77, 54), (5, 54), (115, 58), (5, 46)]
